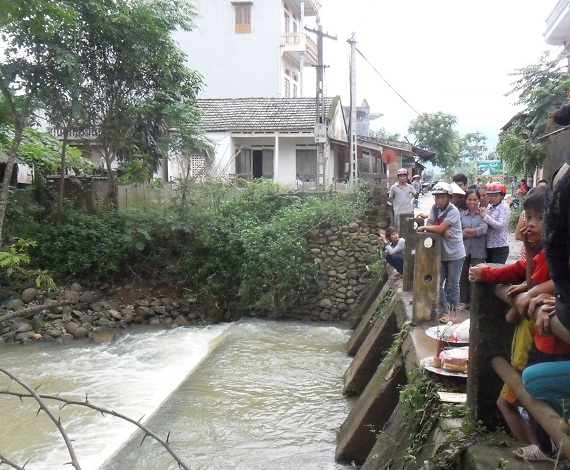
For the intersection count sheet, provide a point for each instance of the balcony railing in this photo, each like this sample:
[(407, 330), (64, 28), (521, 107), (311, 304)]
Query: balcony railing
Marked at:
[(300, 43), (75, 134)]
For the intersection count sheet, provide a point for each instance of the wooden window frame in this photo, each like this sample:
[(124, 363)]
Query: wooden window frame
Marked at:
[(242, 17)]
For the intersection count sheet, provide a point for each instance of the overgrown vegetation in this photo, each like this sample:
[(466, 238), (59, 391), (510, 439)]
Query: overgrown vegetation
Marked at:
[(381, 310), (514, 218), (242, 248), (424, 407)]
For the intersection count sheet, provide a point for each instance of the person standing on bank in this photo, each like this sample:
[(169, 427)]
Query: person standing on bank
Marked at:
[(497, 216), (474, 237), (444, 219), (416, 183), (460, 181), (550, 381), (401, 195)]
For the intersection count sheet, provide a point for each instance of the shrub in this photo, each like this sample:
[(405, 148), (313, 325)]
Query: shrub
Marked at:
[(83, 245), (262, 260)]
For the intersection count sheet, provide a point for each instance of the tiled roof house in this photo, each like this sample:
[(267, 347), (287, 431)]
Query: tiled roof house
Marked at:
[(273, 138)]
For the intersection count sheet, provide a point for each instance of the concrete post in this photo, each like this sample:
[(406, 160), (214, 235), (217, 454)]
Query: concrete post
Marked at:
[(408, 233), (489, 336), (426, 276)]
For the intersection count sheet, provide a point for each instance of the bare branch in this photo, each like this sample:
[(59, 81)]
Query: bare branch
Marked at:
[(33, 394), (103, 411), (33, 309), (11, 464)]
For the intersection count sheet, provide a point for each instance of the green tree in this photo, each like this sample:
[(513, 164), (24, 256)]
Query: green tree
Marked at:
[(33, 57), (435, 132), (472, 147), (382, 133), (135, 70), (542, 88)]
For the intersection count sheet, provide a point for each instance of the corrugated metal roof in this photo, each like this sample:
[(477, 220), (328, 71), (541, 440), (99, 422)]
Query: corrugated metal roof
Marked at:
[(260, 114)]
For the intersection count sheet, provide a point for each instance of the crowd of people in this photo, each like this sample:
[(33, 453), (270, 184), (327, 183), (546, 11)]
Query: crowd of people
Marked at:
[(473, 222)]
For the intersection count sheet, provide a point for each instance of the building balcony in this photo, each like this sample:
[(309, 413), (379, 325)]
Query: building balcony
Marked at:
[(558, 25), (75, 135), (301, 44), (312, 7)]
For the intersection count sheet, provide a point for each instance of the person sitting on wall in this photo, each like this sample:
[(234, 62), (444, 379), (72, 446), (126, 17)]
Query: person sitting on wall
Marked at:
[(393, 249)]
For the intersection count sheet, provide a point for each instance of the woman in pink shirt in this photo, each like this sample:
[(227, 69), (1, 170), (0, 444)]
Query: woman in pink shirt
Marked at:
[(497, 216)]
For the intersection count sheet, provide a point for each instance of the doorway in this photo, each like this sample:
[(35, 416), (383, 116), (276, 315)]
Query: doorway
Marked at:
[(257, 163)]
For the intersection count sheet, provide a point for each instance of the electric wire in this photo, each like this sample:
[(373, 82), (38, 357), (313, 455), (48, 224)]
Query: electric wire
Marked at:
[(386, 82)]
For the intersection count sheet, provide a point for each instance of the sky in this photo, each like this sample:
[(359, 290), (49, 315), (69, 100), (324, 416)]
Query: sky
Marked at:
[(453, 56)]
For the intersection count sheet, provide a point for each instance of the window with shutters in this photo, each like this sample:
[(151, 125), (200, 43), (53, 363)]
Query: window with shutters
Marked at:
[(242, 11)]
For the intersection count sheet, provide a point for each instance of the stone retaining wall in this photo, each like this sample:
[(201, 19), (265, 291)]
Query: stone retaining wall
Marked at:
[(344, 254)]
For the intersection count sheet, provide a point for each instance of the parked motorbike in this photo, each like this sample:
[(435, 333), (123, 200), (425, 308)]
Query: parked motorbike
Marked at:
[(427, 187), (515, 204)]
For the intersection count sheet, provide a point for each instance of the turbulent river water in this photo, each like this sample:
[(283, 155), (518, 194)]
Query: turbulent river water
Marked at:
[(248, 395)]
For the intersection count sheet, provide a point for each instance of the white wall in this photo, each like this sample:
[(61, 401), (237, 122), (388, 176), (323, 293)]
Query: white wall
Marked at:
[(235, 65)]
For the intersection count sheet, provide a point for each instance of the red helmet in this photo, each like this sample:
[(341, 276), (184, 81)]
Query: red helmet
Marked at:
[(402, 171), (496, 187)]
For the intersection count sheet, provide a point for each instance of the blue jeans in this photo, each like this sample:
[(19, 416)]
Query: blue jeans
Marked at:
[(450, 273), (550, 382), (397, 261)]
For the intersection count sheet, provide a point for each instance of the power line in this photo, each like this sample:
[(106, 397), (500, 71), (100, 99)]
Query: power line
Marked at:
[(386, 82)]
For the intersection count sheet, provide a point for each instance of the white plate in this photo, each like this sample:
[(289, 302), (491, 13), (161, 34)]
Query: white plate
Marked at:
[(434, 331), (427, 364), (452, 397)]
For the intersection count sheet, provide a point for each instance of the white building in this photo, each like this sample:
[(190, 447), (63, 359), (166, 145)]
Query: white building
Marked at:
[(254, 48), (558, 25), (273, 138)]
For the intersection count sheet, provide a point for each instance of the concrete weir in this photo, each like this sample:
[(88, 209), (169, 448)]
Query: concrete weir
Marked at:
[(379, 431)]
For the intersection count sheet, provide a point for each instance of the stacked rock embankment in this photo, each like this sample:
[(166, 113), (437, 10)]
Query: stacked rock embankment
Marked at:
[(343, 255), (69, 314)]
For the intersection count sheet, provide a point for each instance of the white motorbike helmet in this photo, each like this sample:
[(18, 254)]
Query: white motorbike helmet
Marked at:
[(442, 188)]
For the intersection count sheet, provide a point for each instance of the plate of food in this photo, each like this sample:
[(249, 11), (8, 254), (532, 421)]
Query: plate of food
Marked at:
[(454, 362), (457, 333)]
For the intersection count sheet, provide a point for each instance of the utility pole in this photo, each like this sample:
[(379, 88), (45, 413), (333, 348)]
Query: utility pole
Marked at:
[(353, 144), (477, 141), (320, 126)]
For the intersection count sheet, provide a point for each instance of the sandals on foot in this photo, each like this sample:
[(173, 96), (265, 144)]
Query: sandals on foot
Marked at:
[(532, 453)]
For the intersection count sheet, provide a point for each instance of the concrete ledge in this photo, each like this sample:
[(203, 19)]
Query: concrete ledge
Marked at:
[(380, 293), (392, 442), (370, 413), (371, 352), (355, 317)]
